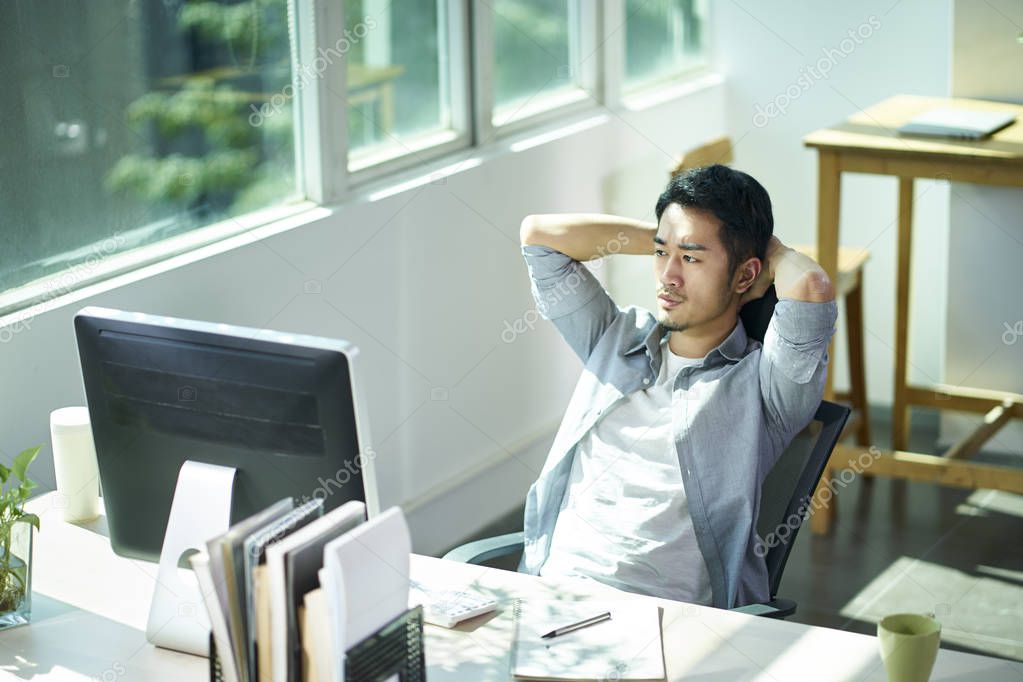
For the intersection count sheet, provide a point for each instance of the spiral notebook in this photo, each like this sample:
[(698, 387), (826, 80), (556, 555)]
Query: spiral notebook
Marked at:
[(625, 647)]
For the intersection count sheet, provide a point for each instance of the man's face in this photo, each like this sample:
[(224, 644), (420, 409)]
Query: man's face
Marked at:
[(694, 285)]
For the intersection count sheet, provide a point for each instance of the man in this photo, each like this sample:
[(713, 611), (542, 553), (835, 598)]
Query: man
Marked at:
[(653, 482)]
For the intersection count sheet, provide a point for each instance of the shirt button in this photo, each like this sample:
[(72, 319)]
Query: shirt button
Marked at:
[(646, 381)]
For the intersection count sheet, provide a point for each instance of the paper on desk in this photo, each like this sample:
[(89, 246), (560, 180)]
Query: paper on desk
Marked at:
[(627, 647), (367, 578)]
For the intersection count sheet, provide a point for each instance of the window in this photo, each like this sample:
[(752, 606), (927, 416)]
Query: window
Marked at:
[(127, 123), (543, 56), (404, 90), (663, 39)]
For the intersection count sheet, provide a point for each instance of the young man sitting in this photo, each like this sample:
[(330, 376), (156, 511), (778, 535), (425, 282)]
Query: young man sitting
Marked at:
[(653, 482)]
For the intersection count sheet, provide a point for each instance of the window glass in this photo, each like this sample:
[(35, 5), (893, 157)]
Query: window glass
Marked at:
[(663, 38), (533, 54), (126, 123)]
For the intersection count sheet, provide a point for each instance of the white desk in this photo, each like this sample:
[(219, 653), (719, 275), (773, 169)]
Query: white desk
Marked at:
[(90, 609)]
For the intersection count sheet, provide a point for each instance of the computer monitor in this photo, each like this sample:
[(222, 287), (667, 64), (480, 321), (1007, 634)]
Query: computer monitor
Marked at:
[(282, 409)]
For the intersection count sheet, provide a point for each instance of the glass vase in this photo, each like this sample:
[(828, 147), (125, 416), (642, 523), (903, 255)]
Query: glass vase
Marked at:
[(15, 575)]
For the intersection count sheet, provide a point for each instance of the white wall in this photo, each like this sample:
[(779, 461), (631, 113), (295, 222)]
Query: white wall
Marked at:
[(763, 48), (987, 233), (424, 282)]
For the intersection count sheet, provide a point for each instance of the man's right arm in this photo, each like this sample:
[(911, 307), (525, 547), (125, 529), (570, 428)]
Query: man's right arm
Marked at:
[(585, 236), (566, 292)]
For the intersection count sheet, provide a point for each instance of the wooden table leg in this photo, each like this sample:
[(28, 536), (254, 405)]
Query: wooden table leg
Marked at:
[(900, 408), (829, 187), (825, 504), (857, 363)]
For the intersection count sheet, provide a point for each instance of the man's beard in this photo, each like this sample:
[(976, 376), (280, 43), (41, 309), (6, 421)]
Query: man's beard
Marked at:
[(724, 300), (674, 327)]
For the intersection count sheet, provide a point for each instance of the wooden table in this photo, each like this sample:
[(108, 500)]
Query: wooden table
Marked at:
[(868, 143), (90, 609)]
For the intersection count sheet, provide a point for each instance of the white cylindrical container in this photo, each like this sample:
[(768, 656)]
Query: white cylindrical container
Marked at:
[(74, 463)]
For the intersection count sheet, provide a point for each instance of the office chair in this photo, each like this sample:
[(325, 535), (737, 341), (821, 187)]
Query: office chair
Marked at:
[(788, 487)]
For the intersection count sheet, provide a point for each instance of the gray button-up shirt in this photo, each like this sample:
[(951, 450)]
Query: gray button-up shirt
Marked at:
[(738, 410)]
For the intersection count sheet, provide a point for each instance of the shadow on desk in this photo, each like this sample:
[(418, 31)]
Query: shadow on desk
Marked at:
[(64, 642), (45, 608)]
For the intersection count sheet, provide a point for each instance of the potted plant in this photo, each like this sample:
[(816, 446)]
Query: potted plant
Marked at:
[(16, 540)]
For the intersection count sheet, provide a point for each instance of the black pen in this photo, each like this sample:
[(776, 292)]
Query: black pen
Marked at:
[(575, 626)]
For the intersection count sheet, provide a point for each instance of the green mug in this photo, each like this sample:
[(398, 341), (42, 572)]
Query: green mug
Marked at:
[(909, 645)]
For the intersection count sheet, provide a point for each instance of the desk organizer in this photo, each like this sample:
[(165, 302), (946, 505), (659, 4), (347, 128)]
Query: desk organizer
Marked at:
[(394, 649)]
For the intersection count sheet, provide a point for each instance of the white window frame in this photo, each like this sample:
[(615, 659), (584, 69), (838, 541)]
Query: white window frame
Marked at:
[(319, 132)]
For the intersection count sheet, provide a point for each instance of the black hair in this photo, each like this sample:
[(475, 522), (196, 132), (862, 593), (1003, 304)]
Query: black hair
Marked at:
[(739, 202)]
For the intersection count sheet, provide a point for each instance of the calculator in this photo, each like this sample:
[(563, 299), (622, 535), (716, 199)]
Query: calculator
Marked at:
[(448, 608)]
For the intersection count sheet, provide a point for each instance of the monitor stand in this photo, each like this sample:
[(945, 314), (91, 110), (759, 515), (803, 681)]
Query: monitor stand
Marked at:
[(201, 510)]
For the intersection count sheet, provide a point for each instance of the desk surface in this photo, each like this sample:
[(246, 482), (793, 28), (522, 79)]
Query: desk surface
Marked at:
[(90, 609), (873, 130)]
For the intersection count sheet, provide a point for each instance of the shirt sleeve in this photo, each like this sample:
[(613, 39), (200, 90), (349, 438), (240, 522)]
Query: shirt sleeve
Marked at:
[(567, 294), (794, 362)]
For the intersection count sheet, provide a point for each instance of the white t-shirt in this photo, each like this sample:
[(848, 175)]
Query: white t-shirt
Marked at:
[(624, 520)]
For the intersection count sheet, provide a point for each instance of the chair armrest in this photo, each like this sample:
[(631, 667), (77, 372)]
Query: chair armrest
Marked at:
[(776, 608), (486, 549)]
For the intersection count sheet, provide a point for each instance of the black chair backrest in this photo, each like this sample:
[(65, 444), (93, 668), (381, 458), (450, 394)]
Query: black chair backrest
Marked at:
[(756, 315), (787, 491)]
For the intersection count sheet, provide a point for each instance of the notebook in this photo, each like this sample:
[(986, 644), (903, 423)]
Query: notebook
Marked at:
[(970, 124), (626, 647)]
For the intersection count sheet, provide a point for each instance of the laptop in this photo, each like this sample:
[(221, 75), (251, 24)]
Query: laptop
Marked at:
[(967, 124)]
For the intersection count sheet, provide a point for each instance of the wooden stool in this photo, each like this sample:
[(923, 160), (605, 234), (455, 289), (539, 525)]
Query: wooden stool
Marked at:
[(850, 288)]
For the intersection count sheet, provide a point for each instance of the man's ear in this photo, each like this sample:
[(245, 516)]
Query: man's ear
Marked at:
[(746, 274)]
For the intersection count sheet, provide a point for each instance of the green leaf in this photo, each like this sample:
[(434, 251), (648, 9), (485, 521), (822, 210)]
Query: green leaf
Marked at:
[(30, 518), (4, 473), (20, 465)]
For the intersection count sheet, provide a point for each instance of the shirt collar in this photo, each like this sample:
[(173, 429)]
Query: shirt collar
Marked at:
[(732, 348)]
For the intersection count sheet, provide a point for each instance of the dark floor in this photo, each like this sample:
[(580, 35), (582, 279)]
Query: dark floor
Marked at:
[(906, 546)]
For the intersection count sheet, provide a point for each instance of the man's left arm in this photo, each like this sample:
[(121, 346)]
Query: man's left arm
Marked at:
[(794, 359)]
